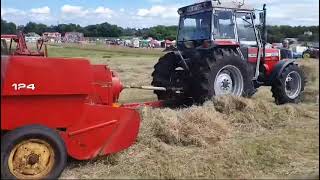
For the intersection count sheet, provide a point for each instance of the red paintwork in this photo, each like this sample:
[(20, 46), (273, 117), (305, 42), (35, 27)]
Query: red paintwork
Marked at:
[(9, 36), (70, 95), (272, 58), (21, 46), (226, 43), (272, 55)]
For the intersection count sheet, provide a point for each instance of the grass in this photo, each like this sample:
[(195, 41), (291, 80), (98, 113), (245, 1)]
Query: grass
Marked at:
[(229, 137)]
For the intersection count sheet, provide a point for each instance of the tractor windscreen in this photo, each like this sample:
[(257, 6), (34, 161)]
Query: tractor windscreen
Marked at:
[(195, 26), (245, 28), (223, 25)]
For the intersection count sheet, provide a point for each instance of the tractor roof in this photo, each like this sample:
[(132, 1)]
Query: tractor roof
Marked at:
[(209, 5)]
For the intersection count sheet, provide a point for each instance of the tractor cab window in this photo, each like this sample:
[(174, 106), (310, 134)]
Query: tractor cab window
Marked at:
[(245, 29), (195, 27), (223, 25)]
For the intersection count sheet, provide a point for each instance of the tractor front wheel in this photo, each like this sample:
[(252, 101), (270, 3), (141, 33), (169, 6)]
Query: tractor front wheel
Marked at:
[(32, 152), (306, 55), (289, 86)]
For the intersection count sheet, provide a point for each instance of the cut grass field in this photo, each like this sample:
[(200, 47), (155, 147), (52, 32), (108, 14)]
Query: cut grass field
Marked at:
[(227, 138)]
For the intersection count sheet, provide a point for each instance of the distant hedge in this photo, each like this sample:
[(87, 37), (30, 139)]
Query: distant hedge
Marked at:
[(275, 33)]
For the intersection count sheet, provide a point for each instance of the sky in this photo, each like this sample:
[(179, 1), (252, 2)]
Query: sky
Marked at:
[(142, 13)]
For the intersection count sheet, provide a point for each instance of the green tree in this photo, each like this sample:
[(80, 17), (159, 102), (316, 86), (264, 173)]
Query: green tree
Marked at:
[(8, 27), (275, 33)]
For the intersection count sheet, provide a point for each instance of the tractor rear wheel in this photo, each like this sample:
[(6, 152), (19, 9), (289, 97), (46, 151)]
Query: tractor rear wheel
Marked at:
[(226, 73), (32, 152), (289, 86), (163, 75)]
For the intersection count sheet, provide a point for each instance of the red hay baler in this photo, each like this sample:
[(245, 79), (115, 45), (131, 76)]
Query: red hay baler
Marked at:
[(52, 108)]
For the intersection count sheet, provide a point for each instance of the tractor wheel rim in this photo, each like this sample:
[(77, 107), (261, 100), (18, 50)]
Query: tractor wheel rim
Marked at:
[(293, 85), (306, 55), (31, 159), (229, 81)]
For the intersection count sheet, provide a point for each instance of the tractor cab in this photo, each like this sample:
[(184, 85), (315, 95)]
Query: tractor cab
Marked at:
[(206, 21), (210, 24)]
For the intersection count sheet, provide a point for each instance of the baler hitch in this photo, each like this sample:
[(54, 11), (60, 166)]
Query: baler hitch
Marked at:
[(175, 89)]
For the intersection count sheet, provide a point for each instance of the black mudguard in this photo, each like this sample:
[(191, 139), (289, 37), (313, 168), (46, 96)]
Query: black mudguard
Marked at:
[(277, 70)]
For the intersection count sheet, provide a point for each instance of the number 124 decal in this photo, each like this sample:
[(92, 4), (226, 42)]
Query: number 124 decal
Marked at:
[(20, 86)]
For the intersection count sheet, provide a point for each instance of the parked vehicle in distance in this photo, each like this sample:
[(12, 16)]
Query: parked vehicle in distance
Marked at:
[(311, 52)]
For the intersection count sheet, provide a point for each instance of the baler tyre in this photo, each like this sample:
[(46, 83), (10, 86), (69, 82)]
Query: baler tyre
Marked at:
[(162, 75), (223, 59), (41, 150), (289, 86)]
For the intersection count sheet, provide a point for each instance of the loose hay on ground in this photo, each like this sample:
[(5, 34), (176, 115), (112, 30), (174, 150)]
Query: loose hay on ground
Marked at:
[(203, 142)]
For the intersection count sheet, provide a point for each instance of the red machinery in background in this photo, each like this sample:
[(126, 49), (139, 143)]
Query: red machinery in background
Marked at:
[(18, 46)]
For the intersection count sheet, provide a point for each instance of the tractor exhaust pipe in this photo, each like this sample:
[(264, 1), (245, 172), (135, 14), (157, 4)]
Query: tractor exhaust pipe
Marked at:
[(264, 32)]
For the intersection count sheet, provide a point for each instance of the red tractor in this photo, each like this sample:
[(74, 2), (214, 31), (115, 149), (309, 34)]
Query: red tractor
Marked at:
[(221, 50), (18, 46)]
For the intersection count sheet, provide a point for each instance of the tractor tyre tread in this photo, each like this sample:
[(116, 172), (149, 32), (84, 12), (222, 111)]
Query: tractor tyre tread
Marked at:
[(278, 89), (161, 74), (206, 73)]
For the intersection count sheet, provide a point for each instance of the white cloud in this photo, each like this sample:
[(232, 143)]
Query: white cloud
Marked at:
[(293, 14), (42, 10), (159, 11), (11, 11), (143, 12), (103, 10), (18, 16), (73, 10), (122, 10), (41, 14)]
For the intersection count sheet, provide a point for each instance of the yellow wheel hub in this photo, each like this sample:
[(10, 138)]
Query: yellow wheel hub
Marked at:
[(33, 158)]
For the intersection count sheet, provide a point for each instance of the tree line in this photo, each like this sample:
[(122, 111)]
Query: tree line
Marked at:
[(275, 33)]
